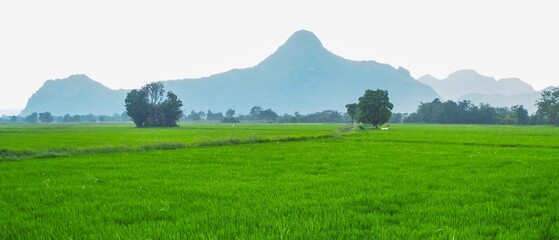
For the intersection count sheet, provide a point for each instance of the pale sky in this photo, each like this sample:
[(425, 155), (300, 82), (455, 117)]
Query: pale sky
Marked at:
[(125, 44)]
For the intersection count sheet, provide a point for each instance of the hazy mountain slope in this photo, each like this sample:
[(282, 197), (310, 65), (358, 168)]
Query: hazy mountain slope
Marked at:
[(76, 94), (464, 82), (528, 100), (301, 76)]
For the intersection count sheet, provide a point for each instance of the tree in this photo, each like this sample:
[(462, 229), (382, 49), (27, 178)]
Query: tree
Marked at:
[(230, 117), (46, 117), (287, 118), (396, 118), (125, 117), (155, 92), (374, 107), (268, 115), (89, 118), (210, 116), (76, 118), (351, 110), (230, 113), (171, 109), (202, 115), (32, 118), (487, 114), (255, 112), (137, 106), (194, 116), (148, 108), (548, 105), (67, 118), (520, 114)]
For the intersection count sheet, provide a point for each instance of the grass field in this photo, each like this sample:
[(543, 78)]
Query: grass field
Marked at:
[(302, 182), (39, 141)]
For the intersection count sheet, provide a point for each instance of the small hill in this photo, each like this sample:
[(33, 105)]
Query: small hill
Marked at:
[(76, 94), (468, 82)]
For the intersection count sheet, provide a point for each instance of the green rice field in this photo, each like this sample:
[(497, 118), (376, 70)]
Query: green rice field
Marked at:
[(278, 181)]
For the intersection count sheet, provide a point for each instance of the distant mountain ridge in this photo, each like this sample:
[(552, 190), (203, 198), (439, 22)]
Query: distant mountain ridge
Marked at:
[(300, 76), (76, 94), (468, 81), (528, 100), (470, 85)]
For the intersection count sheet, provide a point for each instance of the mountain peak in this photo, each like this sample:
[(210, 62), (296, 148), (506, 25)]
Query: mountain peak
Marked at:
[(72, 80), (303, 48), (303, 38), (465, 73)]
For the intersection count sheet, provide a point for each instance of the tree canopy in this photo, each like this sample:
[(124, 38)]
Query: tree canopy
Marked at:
[(465, 112), (46, 117), (148, 108), (351, 110), (374, 107), (32, 118), (548, 106), (258, 114)]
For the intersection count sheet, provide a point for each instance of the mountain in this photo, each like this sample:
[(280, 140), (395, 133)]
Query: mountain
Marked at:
[(528, 100), (470, 85), (76, 94), (300, 76), (464, 82)]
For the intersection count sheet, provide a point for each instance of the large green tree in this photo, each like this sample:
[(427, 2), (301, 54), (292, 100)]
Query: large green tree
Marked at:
[(374, 108), (137, 106), (548, 105), (148, 108)]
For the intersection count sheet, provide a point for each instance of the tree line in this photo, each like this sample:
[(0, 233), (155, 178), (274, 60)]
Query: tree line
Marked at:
[(465, 112), (47, 117), (259, 114), (148, 107)]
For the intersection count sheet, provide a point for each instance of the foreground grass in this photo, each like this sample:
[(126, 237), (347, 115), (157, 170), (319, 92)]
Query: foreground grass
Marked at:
[(412, 182)]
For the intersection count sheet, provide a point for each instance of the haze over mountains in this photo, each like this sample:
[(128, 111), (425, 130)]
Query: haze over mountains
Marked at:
[(300, 76), (471, 85), (468, 81)]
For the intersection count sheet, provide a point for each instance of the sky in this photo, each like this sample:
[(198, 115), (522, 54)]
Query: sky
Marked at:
[(127, 43)]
